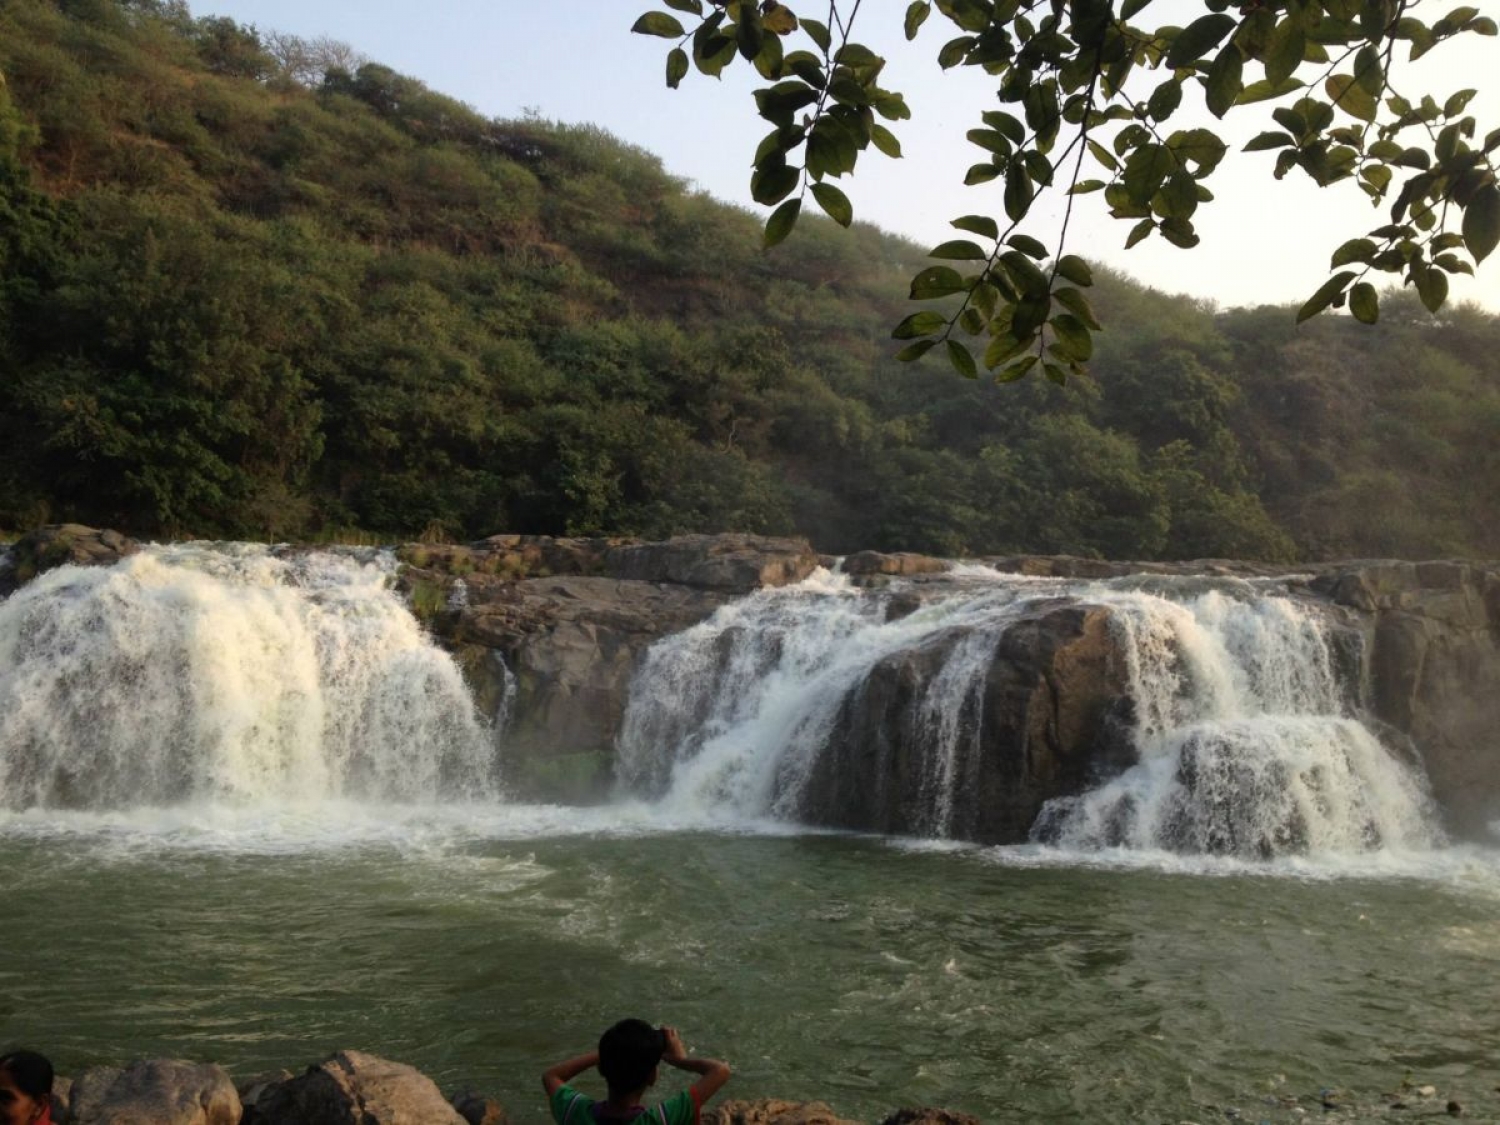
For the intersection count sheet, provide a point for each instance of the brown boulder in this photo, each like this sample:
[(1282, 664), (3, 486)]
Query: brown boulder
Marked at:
[(154, 1092), (353, 1088), (60, 544), (898, 565), (477, 1109), (737, 563)]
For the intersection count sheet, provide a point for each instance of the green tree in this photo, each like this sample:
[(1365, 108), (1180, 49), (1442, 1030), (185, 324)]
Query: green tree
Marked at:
[(1089, 97)]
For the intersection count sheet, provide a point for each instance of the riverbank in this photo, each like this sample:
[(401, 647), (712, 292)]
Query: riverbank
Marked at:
[(355, 1088)]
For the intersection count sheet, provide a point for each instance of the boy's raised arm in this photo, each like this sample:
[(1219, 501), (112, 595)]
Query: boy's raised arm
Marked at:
[(714, 1072), (564, 1072)]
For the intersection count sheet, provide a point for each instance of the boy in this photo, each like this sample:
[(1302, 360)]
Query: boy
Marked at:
[(628, 1056)]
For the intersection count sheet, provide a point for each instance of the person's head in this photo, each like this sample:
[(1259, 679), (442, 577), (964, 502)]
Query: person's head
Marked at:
[(25, 1088), (628, 1056)]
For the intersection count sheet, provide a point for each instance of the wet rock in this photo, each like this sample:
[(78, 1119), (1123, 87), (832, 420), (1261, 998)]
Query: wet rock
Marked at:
[(899, 564), (353, 1088), (251, 1089), (60, 544), (772, 1111), (155, 1092), (477, 1109)]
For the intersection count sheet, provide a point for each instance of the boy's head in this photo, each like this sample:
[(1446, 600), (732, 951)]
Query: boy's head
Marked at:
[(628, 1055)]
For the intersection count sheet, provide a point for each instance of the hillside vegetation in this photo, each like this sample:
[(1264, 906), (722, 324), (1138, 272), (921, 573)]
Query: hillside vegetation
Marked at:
[(240, 296)]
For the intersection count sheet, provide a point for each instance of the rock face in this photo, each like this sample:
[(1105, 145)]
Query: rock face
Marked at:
[(61, 543), (353, 1088), (570, 640), (154, 1092), (1049, 722), (1432, 637)]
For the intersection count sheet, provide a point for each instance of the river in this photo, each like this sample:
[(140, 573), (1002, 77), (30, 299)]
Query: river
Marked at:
[(280, 904)]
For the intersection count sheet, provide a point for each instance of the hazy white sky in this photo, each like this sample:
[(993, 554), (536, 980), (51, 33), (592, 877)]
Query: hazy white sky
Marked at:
[(575, 61)]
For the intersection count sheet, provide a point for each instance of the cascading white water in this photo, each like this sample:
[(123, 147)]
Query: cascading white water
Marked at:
[(1245, 743), (727, 718), (229, 674)]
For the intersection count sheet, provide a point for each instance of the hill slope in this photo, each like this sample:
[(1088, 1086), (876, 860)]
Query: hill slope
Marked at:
[(232, 303)]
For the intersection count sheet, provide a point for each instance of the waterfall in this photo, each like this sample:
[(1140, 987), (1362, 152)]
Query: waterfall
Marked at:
[(1245, 738), (233, 673), (728, 718)]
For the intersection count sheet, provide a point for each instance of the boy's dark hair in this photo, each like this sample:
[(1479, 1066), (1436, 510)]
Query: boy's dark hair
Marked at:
[(628, 1053), (31, 1072)]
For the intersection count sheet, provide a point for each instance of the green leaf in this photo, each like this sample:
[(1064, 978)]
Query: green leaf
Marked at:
[(1198, 38), (1017, 370), (1349, 95), (818, 32), (1028, 277), (959, 249), (1073, 268), (691, 7), (1355, 250), (1432, 287), (916, 350), (916, 16), (1018, 191), (1262, 142), (771, 183), (1482, 223), (1320, 300), (1288, 45), (919, 324), (982, 225), (1073, 337), (1076, 303), (677, 66), (935, 282), (1164, 100), (885, 140), (1225, 80), (963, 361), (781, 222), (1028, 246), (980, 174), (1139, 232), (1055, 374), (659, 23), (1364, 303), (835, 202), (1264, 91)]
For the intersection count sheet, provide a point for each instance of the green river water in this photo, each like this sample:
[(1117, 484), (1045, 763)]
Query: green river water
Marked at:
[(1015, 984)]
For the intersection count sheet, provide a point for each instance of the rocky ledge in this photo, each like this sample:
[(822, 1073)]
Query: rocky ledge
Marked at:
[(352, 1088)]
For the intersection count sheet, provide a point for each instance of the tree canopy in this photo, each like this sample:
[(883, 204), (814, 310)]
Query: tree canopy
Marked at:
[(1094, 99)]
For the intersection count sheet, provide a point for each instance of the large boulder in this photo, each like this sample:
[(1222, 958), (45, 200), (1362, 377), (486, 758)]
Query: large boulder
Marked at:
[(1432, 659), (154, 1092), (353, 1088), (734, 563), (57, 545), (1045, 717)]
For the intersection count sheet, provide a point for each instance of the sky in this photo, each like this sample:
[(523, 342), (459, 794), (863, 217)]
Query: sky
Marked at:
[(575, 61)]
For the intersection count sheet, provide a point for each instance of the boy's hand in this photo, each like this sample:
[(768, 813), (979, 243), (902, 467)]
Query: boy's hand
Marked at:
[(673, 1051)]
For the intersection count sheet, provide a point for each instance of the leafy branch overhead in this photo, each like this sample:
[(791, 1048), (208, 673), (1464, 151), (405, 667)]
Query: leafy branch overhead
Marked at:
[(1086, 99)]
